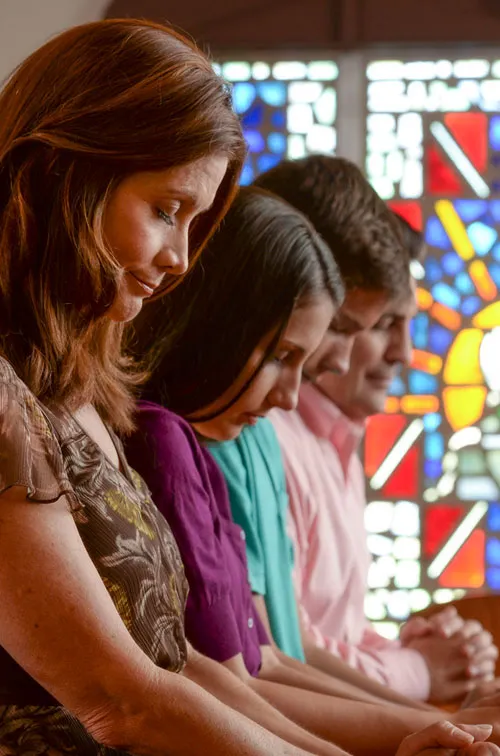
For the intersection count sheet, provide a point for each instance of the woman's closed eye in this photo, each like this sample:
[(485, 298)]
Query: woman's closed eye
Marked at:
[(281, 357), (168, 219)]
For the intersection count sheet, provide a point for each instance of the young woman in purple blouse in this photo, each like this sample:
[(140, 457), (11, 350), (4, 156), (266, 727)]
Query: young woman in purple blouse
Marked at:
[(224, 348)]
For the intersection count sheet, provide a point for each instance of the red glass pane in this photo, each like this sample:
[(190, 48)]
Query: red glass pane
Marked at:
[(410, 211), (404, 479), (439, 523), (470, 132), (466, 569), (441, 178)]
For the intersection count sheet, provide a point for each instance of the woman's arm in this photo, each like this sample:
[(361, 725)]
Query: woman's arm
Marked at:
[(235, 691), (63, 629), (331, 665), (337, 678)]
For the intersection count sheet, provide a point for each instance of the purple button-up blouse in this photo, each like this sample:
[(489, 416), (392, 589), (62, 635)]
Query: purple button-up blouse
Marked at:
[(189, 490)]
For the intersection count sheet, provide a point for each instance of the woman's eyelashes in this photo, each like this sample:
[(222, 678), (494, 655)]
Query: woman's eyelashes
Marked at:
[(168, 219), (281, 357)]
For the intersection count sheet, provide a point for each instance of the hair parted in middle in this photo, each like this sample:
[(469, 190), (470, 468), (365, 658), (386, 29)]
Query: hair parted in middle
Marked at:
[(362, 233), (263, 262)]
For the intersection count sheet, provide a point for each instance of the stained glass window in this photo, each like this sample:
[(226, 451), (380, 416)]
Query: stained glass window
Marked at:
[(288, 109), (433, 151)]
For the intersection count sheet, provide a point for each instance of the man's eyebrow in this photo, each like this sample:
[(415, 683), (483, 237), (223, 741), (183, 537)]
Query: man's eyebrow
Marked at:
[(345, 322)]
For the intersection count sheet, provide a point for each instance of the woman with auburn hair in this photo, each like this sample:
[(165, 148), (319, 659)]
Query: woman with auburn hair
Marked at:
[(119, 154)]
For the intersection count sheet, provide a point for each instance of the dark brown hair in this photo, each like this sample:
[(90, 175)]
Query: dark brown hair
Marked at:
[(92, 106), (359, 228), (265, 260), (413, 240)]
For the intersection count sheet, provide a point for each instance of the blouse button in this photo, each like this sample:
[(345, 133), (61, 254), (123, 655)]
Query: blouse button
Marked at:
[(242, 535), (250, 622)]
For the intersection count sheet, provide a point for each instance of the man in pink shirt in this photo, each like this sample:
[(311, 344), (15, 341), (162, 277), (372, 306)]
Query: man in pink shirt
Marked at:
[(325, 478)]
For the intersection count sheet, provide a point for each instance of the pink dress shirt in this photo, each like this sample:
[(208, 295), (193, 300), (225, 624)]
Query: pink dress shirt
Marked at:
[(326, 487)]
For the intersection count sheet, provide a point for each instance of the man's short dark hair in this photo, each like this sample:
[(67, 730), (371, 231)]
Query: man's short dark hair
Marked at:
[(362, 233)]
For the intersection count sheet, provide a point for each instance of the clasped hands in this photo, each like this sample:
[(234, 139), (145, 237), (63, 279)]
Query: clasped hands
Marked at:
[(460, 654)]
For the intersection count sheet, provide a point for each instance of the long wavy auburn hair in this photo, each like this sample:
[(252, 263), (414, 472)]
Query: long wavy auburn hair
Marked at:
[(95, 104)]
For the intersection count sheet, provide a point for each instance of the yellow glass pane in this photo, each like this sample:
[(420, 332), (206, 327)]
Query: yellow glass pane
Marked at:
[(488, 318), (424, 298), (462, 365), (463, 405), (482, 280), (455, 229)]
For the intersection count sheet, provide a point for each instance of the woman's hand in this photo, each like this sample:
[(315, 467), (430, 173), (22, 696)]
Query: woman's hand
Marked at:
[(447, 739)]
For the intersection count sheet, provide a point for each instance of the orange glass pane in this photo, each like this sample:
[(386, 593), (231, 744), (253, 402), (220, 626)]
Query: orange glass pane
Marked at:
[(391, 405), (419, 404), (382, 432), (426, 361), (463, 405), (482, 280), (462, 364), (446, 316), (466, 569), (424, 298)]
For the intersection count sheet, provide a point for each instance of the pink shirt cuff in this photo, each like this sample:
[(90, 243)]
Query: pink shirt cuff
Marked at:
[(407, 672)]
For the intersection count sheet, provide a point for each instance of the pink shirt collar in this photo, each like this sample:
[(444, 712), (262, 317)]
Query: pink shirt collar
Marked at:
[(326, 420)]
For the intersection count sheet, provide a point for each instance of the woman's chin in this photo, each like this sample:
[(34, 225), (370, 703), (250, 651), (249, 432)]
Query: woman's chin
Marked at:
[(123, 310)]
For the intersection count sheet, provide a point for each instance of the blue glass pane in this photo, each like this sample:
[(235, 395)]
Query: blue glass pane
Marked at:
[(439, 339), (397, 387), (243, 96), (247, 174), (273, 93), (435, 235), (278, 119), (422, 383), (452, 263), (464, 284), (432, 421), (482, 237), (276, 143), (433, 271), (434, 446), (494, 208), (265, 162), (496, 252), (255, 140), (470, 209), (433, 468), (493, 551), (446, 295), (495, 273), (495, 132), (470, 306), (493, 577), (253, 119), (419, 330), (494, 517)]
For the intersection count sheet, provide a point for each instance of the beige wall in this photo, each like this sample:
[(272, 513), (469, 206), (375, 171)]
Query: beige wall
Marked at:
[(26, 24)]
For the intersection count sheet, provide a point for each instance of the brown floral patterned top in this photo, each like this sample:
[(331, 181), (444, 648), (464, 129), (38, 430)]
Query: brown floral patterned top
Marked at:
[(126, 537)]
